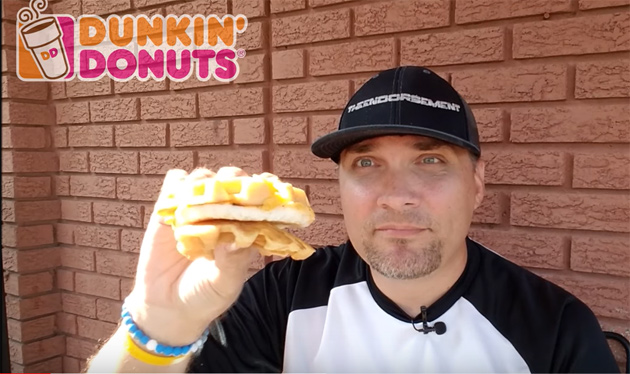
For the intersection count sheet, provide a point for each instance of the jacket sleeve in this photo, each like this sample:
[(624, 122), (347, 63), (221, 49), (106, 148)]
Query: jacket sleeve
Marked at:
[(250, 336), (581, 345)]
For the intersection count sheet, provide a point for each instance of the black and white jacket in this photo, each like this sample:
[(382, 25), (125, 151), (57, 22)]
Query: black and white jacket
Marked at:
[(325, 314)]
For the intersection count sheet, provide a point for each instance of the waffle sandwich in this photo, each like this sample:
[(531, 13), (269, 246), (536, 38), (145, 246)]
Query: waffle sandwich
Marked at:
[(244, 210)]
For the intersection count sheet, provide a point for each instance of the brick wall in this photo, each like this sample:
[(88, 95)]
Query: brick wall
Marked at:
[(548, 80)]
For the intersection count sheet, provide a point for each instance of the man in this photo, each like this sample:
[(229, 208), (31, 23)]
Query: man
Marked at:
[(408, 292)]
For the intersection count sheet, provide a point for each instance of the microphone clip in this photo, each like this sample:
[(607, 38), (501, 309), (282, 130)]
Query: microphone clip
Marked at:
[(438, 327)]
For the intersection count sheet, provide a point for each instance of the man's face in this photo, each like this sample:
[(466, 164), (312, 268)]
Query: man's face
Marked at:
[(408, 202)]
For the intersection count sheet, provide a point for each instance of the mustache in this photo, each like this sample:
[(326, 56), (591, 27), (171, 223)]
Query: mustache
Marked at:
[(412, 217)]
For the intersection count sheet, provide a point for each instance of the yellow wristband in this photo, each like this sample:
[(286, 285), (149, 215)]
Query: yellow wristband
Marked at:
[(149, 358)]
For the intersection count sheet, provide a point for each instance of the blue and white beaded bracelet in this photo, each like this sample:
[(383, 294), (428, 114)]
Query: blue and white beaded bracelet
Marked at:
[(155, 347)]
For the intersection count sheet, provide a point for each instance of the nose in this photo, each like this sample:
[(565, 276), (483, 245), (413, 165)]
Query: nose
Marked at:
[(399, 193)]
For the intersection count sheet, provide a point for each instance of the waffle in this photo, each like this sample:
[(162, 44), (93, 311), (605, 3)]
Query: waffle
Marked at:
[(246, 211)]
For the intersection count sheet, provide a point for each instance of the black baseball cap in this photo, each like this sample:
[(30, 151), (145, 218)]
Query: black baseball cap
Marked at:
[(406, 100)]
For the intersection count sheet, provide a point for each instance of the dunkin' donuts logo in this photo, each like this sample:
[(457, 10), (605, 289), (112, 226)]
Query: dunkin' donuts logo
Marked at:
[(61, 48)]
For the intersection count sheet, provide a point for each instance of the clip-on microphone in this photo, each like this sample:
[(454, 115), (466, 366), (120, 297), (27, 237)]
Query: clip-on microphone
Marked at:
[(438, 327)]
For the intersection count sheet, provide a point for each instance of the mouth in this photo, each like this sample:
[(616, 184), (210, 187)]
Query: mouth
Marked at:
[(400, 230)]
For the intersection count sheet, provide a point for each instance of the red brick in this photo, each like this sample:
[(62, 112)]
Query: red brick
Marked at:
[(24, 331), (64, 233), (93, 186), (108, 310), (134, 85), (609, 170), (581, 211), (30, 211), (65, 279), (66, 323), (24, 137), (287, 64), (594, 4), (97, 285), (126, 286), (450, 48), (203, 133), (93, 329), (29, 162), (18, 89), (600, 123), (310, 96), (130, 239), (249, 130), (290, 130), (168, 106), (71, 113), (467, 11), (53, 365), (526, 168), (38, 350), (119, 214), (25, 187), (302, 164), (251, 69), (602, 79), (76, 161), (76, 210), (490, 123), (159, 162), (78, 258), (101, 8), (251, 161), (573, 36), (114, 110), (323, 231), (24, 285), (252, 38), (72, 7), (400, 15), (605, 255), (279, 6), (148, 211), (70, 365), (538, 250), (249, 8), (221, 103), (91, 136), (606, 297), (199, 7), (59, 136), (324, 197), (119, 162), (322, 125), (141, 135), (80, 348), (57, 90), (352, 57), (77, 304), (521, 83), (319, 3), (28, 114), (491, 210), (26, 236), (310, 28), (77, 88), (138, 188), (61, 185), (97, 236), (27, 308)]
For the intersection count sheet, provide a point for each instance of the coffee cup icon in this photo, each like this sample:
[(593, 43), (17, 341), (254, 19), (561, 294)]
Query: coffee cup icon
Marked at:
[(43, 38)]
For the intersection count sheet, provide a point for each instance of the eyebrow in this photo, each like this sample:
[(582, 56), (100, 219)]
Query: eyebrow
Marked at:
[(422, 145)]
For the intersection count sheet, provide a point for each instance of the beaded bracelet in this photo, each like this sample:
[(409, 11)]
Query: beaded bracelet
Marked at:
[(153, 346)]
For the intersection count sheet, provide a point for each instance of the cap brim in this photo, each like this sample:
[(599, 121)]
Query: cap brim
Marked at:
[(331, 145)]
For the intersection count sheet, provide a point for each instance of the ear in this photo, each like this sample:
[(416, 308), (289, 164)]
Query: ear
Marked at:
[(480, 187)]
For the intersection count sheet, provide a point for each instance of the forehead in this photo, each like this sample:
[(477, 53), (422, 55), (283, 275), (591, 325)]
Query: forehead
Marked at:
[(412, 142)]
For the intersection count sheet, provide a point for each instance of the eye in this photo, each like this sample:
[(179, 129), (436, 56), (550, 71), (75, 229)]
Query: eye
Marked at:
[(430, 160), (364, 162)]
